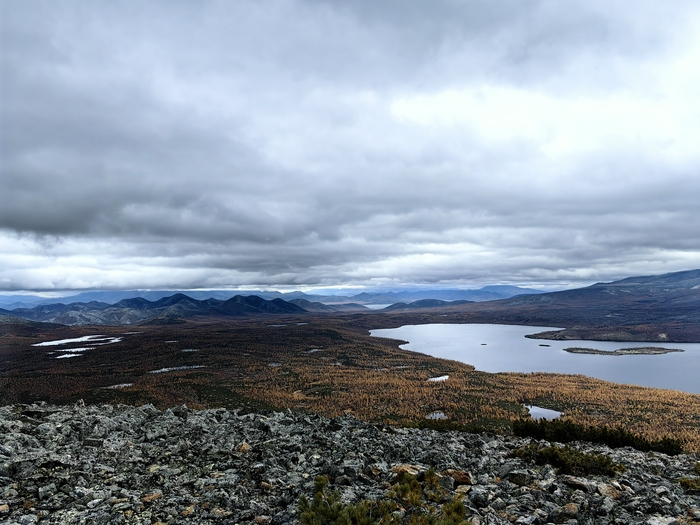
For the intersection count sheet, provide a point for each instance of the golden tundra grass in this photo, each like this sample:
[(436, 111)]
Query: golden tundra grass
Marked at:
[(329, 366)]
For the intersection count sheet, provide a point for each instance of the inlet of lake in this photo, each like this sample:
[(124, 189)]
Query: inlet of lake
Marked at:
[(504, 348)]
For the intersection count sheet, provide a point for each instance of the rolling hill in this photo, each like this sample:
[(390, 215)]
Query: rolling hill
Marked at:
[(651, 308)]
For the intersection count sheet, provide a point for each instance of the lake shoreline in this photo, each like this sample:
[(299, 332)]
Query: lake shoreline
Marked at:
[(496, 348)]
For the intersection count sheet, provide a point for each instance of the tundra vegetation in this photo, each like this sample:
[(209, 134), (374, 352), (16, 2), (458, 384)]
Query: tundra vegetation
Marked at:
[(566, 431), (410, 500), (328, 365), (569, 460)]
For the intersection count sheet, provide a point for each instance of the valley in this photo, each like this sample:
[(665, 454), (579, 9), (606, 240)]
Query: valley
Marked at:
[(259, 353), (323, 364)]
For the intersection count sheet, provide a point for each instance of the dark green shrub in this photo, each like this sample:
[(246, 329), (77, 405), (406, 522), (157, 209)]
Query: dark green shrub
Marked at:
[(615, 437), (569, 461), (690, 485), (324, 508), (407, 502)]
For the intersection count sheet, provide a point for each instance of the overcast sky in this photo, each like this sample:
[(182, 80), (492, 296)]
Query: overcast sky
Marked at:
[(307, 143)]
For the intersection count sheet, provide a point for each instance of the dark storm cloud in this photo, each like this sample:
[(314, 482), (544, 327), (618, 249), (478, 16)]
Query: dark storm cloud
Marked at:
[(311, 142)]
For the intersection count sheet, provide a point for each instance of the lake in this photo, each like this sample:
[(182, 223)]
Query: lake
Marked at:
[(504, 348)]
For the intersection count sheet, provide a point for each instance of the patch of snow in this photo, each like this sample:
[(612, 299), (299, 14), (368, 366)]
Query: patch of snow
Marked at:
[(92, 339), (439, 378), (79, 349), (174, 368), (64, 356), (68, 341)]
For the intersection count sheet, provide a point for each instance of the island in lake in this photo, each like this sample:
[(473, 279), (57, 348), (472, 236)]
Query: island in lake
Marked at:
[(642, 350)]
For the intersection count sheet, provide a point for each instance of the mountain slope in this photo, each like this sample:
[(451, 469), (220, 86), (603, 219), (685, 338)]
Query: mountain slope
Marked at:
[(487, 293), (650, 308), (311, 306), (138, 310), (423, 303)]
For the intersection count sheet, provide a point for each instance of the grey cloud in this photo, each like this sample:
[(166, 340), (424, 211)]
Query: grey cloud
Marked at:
[(243, 142)]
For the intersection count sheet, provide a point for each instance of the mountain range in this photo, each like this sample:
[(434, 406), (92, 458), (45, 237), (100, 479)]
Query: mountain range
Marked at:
[(487, 293), (664, 307), (139, 310)]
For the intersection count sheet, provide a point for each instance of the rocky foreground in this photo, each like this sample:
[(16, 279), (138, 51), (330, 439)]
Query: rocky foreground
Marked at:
[(119, 464)]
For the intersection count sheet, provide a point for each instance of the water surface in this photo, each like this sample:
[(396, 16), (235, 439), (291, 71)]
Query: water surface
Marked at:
[(542, 413), (504, 348)]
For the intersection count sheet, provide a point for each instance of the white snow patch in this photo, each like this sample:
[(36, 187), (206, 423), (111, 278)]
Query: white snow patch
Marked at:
[(68, 341), (93, 339), (174, 368), (439, 378), (79, 349)]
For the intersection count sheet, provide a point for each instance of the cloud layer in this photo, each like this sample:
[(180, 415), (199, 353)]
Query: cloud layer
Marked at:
[(309, 143)]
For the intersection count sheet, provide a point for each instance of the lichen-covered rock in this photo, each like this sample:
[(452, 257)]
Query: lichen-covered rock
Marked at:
[(118, 464)]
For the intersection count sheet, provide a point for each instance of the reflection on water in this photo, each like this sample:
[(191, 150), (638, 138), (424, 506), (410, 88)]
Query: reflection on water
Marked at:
[(504, 348)]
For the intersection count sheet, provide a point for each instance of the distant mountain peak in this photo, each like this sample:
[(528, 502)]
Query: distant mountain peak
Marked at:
[(167, 309)]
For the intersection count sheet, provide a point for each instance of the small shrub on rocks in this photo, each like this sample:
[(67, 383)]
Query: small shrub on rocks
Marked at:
[(408, 502), (570, 461), (691, 486), (565, 431)]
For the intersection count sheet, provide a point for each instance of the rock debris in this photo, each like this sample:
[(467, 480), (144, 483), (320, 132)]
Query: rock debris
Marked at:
[(137, 465)]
